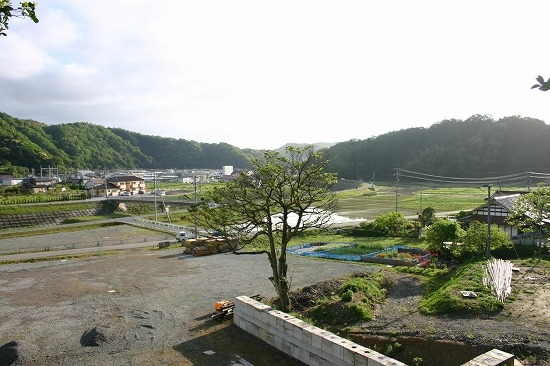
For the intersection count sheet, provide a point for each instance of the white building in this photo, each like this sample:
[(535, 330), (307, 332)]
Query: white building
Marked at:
[(227, 169)]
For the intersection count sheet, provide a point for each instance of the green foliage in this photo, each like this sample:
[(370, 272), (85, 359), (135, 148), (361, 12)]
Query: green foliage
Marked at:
[(390, 349), (393, 224), (31, 144), (358, 248), (474, 241), (427, 217), (371, 287), (441, 231), (531, 208), (443, 293), (347, 296), (358, 297), (448, 148), (429, 272), (470, 147), (26, 9)]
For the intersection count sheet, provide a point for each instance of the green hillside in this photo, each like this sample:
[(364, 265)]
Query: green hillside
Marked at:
[(476, 147)]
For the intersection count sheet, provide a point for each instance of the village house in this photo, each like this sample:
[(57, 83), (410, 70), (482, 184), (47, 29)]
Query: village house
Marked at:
[(38, 184), (499, 206), (128, 183), (8, 180), (104, 190)]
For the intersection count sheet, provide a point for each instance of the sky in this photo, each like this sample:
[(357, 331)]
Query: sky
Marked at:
[(260, 74)]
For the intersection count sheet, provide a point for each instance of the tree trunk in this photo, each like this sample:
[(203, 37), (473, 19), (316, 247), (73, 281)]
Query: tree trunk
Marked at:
[(280, 281), (282, 290)]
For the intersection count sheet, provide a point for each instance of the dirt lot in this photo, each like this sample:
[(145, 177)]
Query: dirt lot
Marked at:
[(141, 307), (148, 307)]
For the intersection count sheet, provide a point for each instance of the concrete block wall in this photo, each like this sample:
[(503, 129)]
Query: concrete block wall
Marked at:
[(494, 357), (305, 342)]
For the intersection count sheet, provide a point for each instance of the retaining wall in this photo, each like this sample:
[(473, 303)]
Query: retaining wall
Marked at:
[(303, 341), (314, 346)]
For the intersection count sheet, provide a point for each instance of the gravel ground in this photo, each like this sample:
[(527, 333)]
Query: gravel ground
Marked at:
[(141, 307)]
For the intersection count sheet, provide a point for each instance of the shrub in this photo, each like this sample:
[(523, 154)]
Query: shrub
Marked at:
[(347, 296)]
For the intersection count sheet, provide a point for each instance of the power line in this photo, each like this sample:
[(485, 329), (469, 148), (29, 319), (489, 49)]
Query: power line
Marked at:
[(517, 178)]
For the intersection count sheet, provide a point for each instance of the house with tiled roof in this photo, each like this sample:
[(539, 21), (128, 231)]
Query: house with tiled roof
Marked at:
[(499, 206), (38, 184)]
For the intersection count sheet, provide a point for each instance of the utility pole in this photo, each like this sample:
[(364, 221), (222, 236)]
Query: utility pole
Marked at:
[(396, 186), (489, 185), (196, 201), (105, 173), (155, 192), (420, 199)]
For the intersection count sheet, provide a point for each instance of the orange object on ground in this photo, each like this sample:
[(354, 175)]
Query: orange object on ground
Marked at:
[(220, 304)]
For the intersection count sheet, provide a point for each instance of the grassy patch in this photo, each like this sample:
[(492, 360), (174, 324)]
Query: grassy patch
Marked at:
[(443, 292), (354, 303), (53, 207)]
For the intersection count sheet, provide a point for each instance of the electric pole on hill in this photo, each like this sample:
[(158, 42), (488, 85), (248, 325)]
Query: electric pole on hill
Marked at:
[(396, 186)]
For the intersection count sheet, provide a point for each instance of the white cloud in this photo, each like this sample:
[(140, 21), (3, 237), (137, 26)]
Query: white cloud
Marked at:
[(260, 74)]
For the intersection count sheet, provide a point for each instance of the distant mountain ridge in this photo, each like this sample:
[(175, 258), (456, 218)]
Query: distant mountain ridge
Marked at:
[(477, 146)]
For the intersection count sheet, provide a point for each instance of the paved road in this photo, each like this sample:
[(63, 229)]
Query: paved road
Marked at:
[(137, 233), (69, 252)]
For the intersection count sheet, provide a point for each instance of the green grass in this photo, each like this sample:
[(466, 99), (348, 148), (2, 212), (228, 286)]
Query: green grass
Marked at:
[(410, 201), (356, 301), (443, 292), (51, 207), (364, 203)]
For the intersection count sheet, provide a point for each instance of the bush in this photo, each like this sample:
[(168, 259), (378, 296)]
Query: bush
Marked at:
[(392, 224), (347, 296)]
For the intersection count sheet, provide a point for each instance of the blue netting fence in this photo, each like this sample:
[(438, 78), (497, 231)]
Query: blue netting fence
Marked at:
[(315, 250)]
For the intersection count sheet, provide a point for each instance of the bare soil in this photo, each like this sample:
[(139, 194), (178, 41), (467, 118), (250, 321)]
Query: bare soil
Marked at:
[(141, 307), (147, 307), (522, 328)]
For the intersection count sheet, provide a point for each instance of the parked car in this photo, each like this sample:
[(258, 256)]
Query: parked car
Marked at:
[(125, 193), (181, 236)]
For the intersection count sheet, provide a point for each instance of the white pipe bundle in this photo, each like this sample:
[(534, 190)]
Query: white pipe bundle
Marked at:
[(498, 276)]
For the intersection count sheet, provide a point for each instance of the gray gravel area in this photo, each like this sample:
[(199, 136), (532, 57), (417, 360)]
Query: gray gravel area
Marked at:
[(148, 306)]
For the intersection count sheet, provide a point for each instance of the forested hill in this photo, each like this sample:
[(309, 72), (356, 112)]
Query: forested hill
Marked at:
[(31, 144), (476, 147)]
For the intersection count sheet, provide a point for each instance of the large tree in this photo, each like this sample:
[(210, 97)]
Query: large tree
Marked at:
[(26, 9), (282, 196), (474, 240), (443, 231)]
